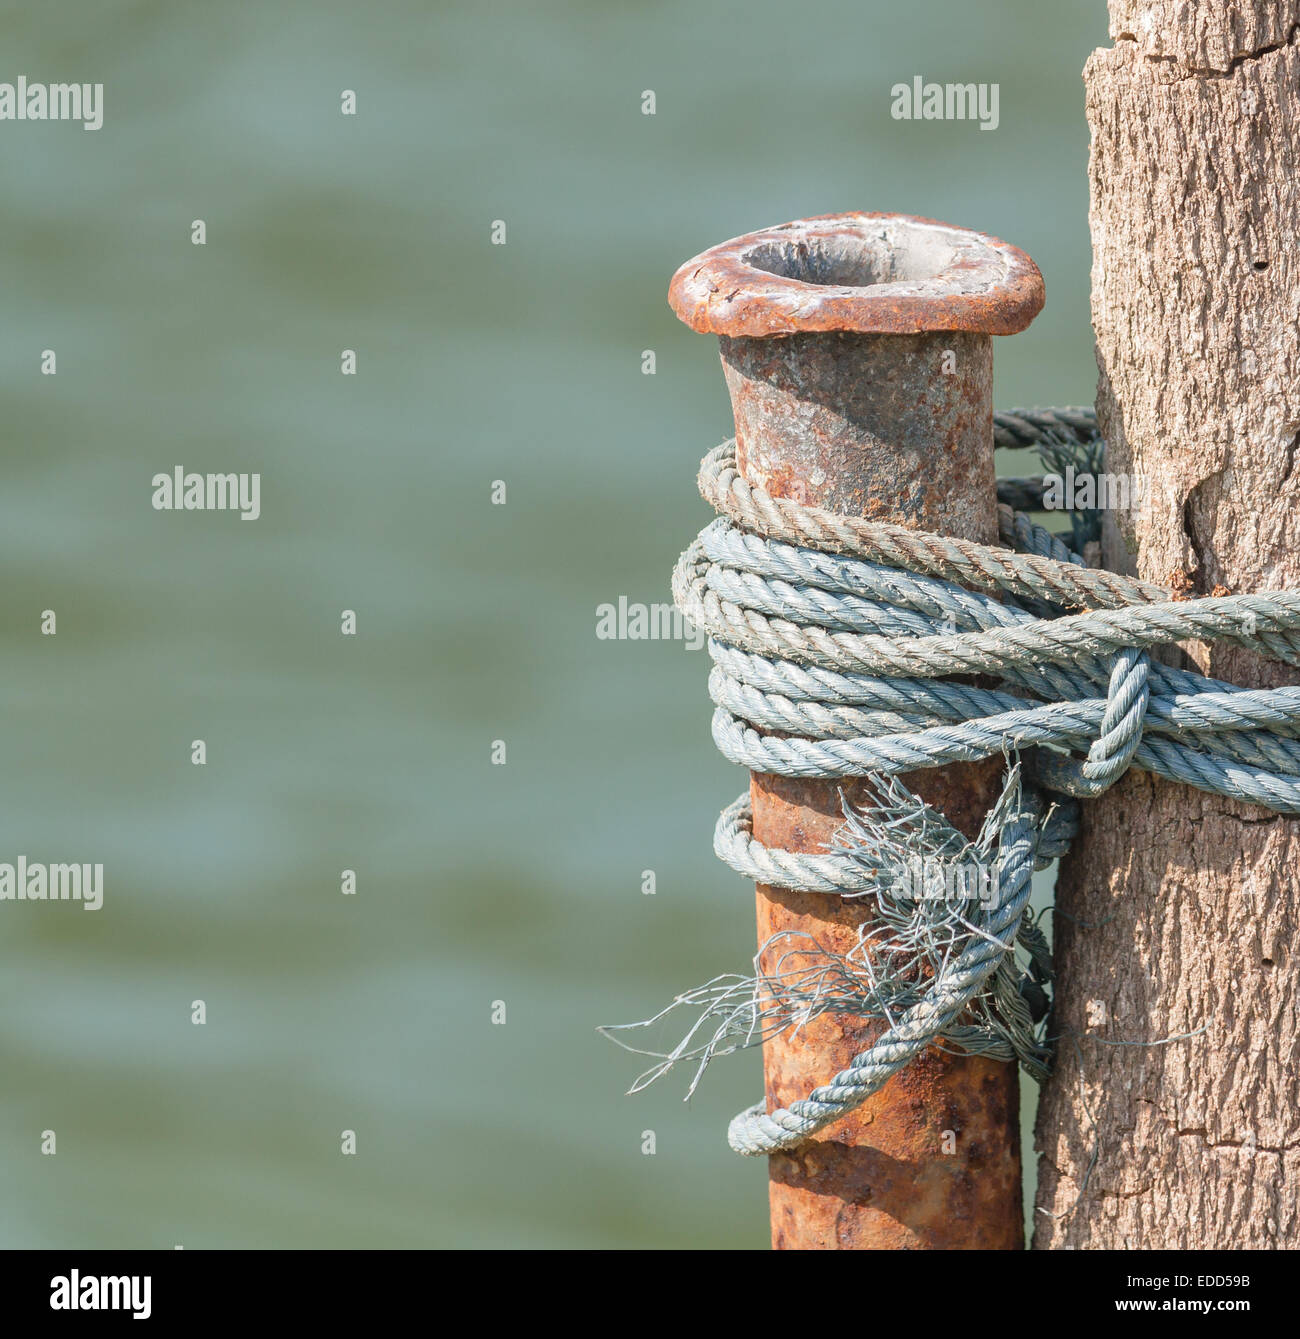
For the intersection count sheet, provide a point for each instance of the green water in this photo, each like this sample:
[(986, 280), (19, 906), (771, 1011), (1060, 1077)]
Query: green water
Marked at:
[(476, 883)]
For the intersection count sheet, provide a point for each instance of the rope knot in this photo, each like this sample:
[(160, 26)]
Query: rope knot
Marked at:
[(1121, 727), (1119, 736)]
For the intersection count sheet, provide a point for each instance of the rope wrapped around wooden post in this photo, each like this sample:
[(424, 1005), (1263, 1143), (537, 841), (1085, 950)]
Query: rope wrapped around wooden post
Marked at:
[(835, 644)]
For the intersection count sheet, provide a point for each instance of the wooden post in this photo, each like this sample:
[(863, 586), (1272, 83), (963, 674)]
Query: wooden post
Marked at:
[(1179, 910)]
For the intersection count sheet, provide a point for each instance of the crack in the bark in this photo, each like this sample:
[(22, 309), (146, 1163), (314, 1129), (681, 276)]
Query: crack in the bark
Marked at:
[(1200, 1132), (1204, 1134), (1195, 72), (1250, 822), (1125, 1194), (1098, 1192), (1290, 457), (1199, 575)]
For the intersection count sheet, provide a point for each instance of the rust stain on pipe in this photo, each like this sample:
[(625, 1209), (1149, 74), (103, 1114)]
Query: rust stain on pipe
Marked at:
[(858, 355)]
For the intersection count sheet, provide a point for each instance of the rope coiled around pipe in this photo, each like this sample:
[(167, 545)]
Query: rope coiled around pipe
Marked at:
[(834, 641)]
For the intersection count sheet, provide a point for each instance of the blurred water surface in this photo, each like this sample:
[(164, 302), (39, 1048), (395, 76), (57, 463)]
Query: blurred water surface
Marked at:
[(521, 363)]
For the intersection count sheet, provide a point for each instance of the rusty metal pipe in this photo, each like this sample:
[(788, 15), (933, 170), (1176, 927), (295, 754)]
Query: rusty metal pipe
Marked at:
[(858, 355)]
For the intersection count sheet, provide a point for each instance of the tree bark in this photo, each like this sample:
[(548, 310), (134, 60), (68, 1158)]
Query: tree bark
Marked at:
[(1178, 910)]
